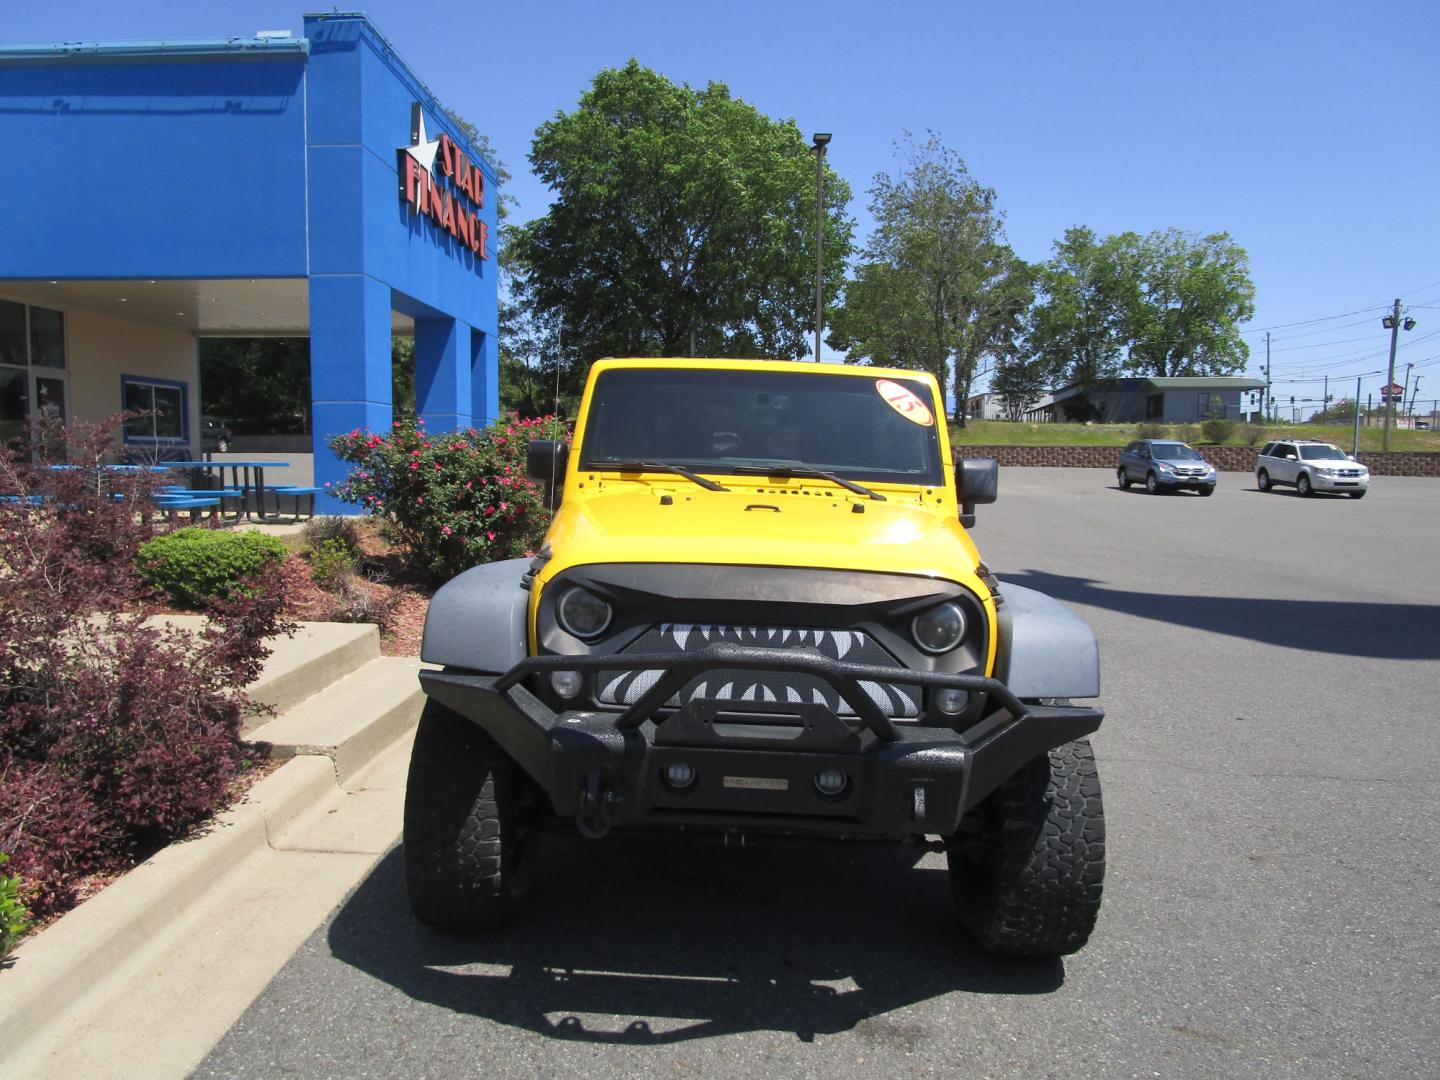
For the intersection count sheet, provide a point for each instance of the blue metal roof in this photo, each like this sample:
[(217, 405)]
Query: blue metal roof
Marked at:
[(158, 49)]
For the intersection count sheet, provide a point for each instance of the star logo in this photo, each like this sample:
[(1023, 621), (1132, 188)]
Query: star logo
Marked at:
[(423, 150)]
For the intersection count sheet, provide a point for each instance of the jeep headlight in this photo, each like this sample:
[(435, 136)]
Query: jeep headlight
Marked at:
[(939, 629), (582, 613)]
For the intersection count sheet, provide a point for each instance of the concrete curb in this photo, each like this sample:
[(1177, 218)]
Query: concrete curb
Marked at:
[(89, 942)]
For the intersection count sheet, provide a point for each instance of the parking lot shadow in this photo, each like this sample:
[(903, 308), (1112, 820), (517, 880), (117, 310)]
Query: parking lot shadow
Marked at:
[(1346, 628), (651, 941)]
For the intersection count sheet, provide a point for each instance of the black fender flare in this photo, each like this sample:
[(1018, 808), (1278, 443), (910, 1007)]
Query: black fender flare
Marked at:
[(1043, 649), (479, 619)]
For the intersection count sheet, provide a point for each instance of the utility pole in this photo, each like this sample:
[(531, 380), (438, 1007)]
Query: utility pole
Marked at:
[(1355, 442), (1267, 375), (1415, 393), (1393, 323), (1405, 389), (1325, 399)]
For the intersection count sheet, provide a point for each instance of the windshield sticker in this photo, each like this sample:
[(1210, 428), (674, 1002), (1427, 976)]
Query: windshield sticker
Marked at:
[(905, 402)]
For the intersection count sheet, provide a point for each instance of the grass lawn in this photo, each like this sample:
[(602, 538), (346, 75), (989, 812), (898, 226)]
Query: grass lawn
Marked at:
[(1013, 433)]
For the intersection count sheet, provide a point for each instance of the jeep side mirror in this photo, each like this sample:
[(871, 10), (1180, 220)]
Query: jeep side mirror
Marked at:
[(545, 461), (977, 480)]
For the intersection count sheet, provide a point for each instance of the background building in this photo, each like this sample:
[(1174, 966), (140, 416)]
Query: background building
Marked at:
[(160, 192), (1181, 400)]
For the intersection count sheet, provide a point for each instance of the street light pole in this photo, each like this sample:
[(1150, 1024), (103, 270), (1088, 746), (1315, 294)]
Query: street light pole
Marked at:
[(821, 139)]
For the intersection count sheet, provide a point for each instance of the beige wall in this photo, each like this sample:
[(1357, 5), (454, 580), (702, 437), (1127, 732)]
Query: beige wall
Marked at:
[(100, 349)]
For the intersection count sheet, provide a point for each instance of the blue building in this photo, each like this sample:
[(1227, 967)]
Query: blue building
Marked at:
[(156, 193)]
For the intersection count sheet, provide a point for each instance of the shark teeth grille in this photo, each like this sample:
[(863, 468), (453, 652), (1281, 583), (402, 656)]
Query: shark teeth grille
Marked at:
[(784, 690)]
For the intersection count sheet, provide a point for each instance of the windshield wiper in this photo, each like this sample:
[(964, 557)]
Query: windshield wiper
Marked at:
[(799, 471), (665, 467)]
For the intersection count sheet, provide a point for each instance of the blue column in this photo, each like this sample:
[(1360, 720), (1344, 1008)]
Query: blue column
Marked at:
[(442, 373), (350, 369), (485, 382)]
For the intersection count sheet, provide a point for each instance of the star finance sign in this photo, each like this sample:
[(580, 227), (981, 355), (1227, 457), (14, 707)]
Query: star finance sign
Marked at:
[(452, 201)]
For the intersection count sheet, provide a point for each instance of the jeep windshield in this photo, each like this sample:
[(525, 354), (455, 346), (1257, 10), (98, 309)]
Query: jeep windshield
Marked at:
[(728, 421)]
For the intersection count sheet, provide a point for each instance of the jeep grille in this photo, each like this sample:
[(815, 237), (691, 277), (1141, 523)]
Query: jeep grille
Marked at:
[(754, 690)]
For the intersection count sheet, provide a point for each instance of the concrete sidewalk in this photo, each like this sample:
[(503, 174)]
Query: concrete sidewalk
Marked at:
[(144, 978)]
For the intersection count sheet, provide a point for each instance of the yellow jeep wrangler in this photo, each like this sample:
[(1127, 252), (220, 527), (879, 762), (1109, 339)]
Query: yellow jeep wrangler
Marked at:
[(758, 612)]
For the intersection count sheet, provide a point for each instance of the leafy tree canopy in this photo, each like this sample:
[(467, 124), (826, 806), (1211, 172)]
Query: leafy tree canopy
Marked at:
[(1194, 291), (937, 289), (1076, 331), (683, 222), (1163, 305)]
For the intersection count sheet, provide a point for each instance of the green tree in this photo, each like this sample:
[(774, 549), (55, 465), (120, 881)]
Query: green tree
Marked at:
[(1076, 331), (683, 223), (937, 288), (1193, 292), (1018, 382)]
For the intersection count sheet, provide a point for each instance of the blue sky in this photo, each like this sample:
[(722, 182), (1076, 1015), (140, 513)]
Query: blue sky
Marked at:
[(1310, 131)]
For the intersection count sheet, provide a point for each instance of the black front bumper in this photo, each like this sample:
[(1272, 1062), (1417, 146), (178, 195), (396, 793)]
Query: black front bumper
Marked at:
[(607, 769)]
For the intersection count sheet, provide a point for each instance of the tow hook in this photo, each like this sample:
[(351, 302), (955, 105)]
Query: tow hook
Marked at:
[(597, 807)]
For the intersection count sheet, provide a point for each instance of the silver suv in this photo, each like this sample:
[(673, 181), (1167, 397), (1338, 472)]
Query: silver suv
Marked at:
[(1310, 466)]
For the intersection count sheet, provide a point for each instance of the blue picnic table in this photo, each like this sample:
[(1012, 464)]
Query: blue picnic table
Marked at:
[(247, 476)]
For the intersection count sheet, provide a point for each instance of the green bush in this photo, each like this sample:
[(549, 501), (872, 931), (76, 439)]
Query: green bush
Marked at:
[(332, 564), (1187, 433), (321, 530), (14, 919), (1152, 431), (454, 499), (1250, 434), (1217, 431), (201, 566)]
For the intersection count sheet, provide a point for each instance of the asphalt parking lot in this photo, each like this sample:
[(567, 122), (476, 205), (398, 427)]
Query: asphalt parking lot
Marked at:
[(1270, 760)]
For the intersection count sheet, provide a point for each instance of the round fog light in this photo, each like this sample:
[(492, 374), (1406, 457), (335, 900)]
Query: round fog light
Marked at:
[(565, 683), (830, 781), (679, 775), (951, 702)]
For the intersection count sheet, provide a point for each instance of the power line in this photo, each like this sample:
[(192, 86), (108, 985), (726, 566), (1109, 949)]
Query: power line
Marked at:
[(1311, 322), (1322, 364), (1325, 344)]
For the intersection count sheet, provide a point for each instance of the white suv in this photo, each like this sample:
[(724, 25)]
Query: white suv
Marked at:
[(1310, 466)]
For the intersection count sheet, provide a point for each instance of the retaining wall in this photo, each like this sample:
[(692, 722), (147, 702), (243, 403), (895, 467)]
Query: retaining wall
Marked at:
[(1224, 458)]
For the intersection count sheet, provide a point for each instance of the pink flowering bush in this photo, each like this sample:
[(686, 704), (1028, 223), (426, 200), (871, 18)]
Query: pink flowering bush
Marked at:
[(455, 499)]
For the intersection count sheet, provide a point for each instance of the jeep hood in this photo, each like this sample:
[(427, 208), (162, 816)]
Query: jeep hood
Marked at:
[(797, 527)]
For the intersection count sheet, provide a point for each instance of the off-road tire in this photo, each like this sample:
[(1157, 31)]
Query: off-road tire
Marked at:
[(1151, 484), (1262, 481), (1357, 494), (1303, 487), (468, 853), (1123, 478), (1028, 864)]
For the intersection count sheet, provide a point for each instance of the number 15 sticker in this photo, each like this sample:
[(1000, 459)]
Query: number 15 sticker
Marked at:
[(904, 402)]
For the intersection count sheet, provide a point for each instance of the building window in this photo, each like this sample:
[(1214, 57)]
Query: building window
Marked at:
[(1154, 406), (1202, 404), (32, 366), (163, 405)]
